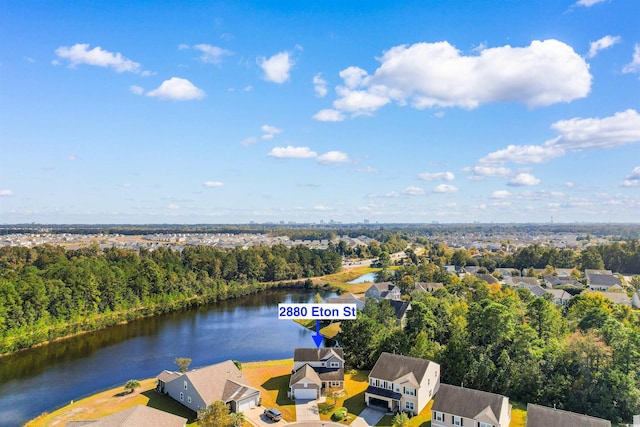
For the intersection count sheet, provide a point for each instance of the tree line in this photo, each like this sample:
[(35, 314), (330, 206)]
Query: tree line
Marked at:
[(48, 291), (583, 358)]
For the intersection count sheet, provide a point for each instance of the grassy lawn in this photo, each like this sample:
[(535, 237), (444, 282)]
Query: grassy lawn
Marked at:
[(518, 415), (423, 419), (111, 401), (355, 383), (340, 279), (272, 379)]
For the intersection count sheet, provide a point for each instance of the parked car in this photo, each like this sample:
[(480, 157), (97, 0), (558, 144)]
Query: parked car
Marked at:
[(273, 414)]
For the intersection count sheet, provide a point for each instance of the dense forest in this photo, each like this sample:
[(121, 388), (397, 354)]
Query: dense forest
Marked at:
[(48, 291), (583, 358)]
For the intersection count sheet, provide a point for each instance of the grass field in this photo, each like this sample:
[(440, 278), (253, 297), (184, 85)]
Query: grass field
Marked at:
[(272, 379)]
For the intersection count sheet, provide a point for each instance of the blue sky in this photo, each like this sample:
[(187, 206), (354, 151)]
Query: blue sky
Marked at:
[(268, 111)]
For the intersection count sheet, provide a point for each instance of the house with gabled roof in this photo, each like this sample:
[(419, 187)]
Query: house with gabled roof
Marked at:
[(315, 370), (620, 298), (542, 416), (487, 278), (559, 296), (199, 388), (427, 286), (465, 407), (347, 299), (136, 416), (383, 290), (402, 383), (400, 308), (522, 282), (604, 282)]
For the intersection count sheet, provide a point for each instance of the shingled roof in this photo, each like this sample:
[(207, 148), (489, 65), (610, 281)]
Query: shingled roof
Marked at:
[(137, 416), (210, 382), (542, 416), (469, 403), (390, 367), (305, 374), (317, 354)]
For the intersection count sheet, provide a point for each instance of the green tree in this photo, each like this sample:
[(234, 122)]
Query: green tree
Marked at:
[(400, 420), (238, 419), (183, 363), (215, 415), (131, 385)]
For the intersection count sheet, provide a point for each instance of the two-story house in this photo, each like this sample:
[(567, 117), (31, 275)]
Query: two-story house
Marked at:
[(465, 407), (315, 370), (402, 383), (199, 388), (383, 290)]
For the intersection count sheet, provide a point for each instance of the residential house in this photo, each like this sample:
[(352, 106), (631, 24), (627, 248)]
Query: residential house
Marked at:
[(402, 383), (199, 388), (315, 370), (427, 287), (487, 278), (563, 273), (137, 416), (400, 308), (522, 282), (466, 407), (537, 291), (559, 296), (542, 416), (557, 281), (347, 299), (620, 298), (604, 282), (383, 290), (506, 272)]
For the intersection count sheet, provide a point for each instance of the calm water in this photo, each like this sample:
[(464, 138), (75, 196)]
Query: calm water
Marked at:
[(368, 277), (246, 329)]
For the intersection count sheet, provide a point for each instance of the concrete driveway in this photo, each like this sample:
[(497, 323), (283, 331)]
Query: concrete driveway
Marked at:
[(307, 410), (256, 417), (369, 417)]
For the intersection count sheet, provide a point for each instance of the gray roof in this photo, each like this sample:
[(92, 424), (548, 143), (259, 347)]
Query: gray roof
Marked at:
[(427, 286), (317, 354), (305, 374), (400, 307), (537, 291), (604, 280), (222, 381), (467, 402), (615, 297), (542, 416), (487, 278), (137, 416), (390, 367), (166, 376), (528, 281)]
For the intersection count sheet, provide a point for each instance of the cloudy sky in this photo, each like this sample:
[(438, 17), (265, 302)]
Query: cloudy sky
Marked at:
[(238, 111)]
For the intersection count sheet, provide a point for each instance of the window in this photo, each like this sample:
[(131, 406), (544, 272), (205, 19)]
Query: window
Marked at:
[(438, 416), (335, 364), (456, 421), (410, 391), (408, 406), (181, 397), (481, 424), (185, 385), (189, 399)]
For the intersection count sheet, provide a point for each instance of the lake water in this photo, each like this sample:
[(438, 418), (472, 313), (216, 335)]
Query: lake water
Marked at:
[(368, 277), (246, 329)]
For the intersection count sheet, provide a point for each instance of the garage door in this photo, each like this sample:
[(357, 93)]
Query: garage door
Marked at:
[(306, 393), (243, 405)]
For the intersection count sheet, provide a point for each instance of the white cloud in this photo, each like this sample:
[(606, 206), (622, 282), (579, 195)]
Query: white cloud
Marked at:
[(588, 3), (5, 192), (322, 208), (634, 65), (522, 154), (333, 157), (212, 54), (445, 188), (523, 179), (213, 184), (413, 191), (604, 43), (367, 169), (183, 46), (320, 85), (574, 134), (579, 134), (177, 89), (633, 179), (270, 131), (290, 152), (329, 115), (136, 90), (276, 68), (80, 54), (248, 88), (428, 75), (500, 194), (173, 206), (569, 184), (485, 171), (248, 141), (433, 176)]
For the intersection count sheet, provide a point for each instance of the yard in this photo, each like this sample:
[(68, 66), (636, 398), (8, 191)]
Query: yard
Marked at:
[(272, 379), (355, 383)]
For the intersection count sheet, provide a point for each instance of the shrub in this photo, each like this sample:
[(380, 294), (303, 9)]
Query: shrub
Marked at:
[(339, 414)]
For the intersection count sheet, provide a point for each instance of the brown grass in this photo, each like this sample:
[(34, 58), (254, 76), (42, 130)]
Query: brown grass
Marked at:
[(272, 379)]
